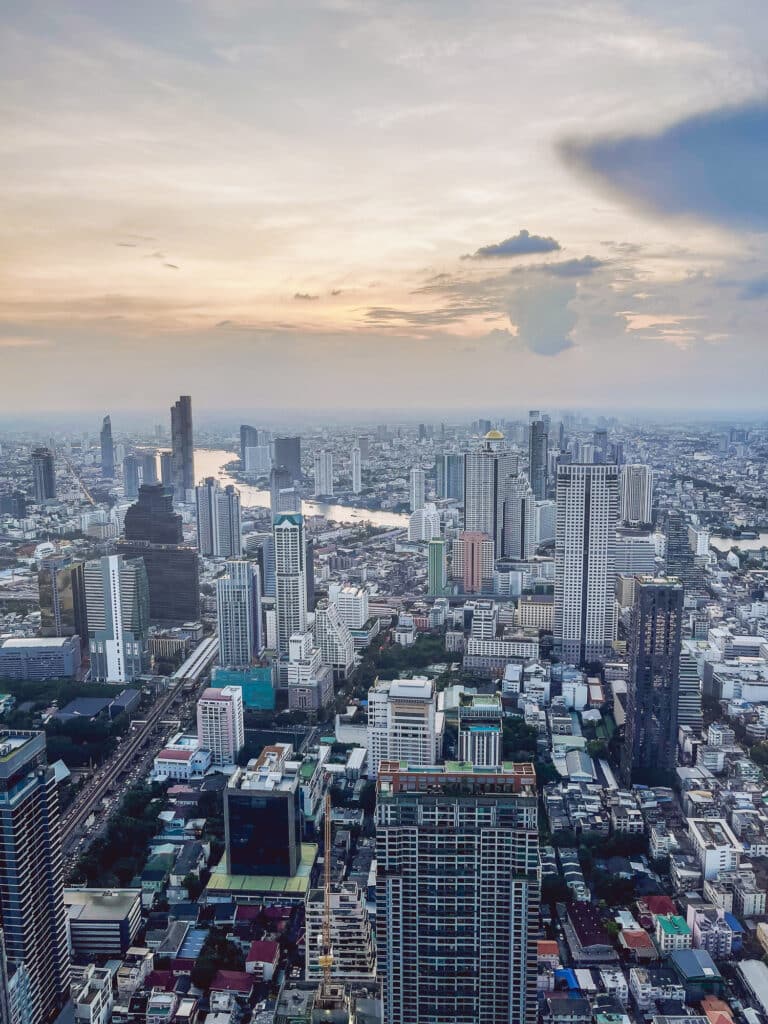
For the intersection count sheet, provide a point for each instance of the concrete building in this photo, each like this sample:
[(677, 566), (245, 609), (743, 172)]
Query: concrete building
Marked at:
[(323, 473), (352, 603), (356, 470), (290, 578), (472, 562), (486, 470), (480, 730), (220, 724), (117, 602), (238, 608), (404, 723), (715, 846), (519, 518), (354, 955), (36, 658), (416, 494), (218, 520), (102, 922), (424, 524), (334, 640), (636, 502)]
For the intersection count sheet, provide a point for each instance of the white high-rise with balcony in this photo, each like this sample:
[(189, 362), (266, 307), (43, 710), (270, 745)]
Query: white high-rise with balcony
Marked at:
[(334, 639), (404, 723), (290, 578), (220, 724)]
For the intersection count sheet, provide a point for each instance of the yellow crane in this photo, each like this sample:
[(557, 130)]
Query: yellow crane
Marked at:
[(325, 960)]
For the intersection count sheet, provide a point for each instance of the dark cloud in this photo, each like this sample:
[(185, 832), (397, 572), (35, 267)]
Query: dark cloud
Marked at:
[(756, 289), (453, 313), (336, 291), (171, 266), (710, 166), (305, 297), (521, 244), (571, 268)]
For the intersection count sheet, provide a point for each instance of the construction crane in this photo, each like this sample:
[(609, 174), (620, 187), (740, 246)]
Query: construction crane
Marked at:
[(325, 959)]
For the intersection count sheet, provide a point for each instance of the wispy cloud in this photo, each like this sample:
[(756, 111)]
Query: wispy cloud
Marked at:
[(305, 297)]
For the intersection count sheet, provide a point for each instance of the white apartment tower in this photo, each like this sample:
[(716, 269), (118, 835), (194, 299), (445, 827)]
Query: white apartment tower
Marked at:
[(519, 518), (352, 603), (417, 489), (218, 520), (356, 465), (486, 471), (220, 724), (290, 578), (117, 603), (636, 494), (238, 607), (587, 511), (424, 523), (323, 473), (334, 639), (404, 723)]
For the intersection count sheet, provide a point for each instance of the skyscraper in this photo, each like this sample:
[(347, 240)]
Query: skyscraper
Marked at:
[(220, 724), (437, 570), (149, 467), (182, 448), (538, 448), (356, 468), (238, 607), (689, 709), (334, 640), (587, 511), (287, 453), (279, 480), (323, 463), (457, 893), (131, 481), (154, 533), (472, 561), (61, 585), (34, 920), (249, 438), (166, 469), (43, 474), (680, 559), (218, 520), (416, 493), (636, 494), (290, 578), (485, 475), (653, 686), (117, 599), (424, 523), (449, 470), (403, 722), (519, 518), (107, 449)]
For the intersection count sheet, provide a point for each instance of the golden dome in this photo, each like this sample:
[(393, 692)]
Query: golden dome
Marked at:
[(494, 435)]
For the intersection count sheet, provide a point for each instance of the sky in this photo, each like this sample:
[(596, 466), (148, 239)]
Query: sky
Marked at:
[(416, 204)]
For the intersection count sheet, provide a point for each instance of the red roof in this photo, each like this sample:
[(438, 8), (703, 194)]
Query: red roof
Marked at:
[(547, 947), (172, 754), (660, 905), (636, 938), (232, 981), (263, 952)]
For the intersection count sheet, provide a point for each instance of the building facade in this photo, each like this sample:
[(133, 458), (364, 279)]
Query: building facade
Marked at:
[(238, 608), (117, 601), (290, 578), (486, 470), (219, 523), (220, 724), (636, 507), (182, 448)]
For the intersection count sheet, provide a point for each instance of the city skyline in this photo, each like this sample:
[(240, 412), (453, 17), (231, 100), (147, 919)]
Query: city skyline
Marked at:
[(202, 188)]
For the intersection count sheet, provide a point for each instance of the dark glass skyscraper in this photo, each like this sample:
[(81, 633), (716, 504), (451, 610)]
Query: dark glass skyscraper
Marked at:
[(149, 467), (107, 449), (287, 453), (653, 688), (43, 474), (153, 532), (182, 448), (62, 598), (449, 469), (538, 454), (34, 919), (681, 561), (249, 438)]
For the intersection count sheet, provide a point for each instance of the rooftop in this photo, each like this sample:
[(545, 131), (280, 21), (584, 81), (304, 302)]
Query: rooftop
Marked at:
[(99, 904), (36, 641)]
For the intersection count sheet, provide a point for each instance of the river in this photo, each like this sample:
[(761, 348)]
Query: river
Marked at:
[(726, 543), (211, 462)]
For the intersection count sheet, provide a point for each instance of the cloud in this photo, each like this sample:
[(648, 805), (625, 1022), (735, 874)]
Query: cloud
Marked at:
[(171, 266), (336, 291), (20, 341), (756, 288), (521, 244), (543, 316), (571, 268), (305, 297), (126, 245), (710, 166)]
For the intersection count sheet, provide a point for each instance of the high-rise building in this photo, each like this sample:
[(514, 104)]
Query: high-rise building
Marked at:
[(279, 480), (404, 723), (538, 446), (437, 568), (154, 533), (117, 601), (148, 467), (653, 691), (485, 477), (34, 919), (587, 512), (290, 578), (61, 585), (219, 523), (416, 495), (480, 730), (166, 469), (600, 441), (287, 453), (472, 561), (424, 523), (238, 607), (334, 640), (220, 724), (354, 954), (449, 470), (364, 444), (352, 603), (131, 478), (43, 474), (14, 504), (680, 559), (519, 518), (107, 449), (356, 469), (636, 495), (323, 463), (182, 448), (457, 893), (249, 438), (258, 460), (310, 682), (689, 709)]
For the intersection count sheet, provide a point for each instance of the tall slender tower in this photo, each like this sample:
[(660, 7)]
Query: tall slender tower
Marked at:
[(323, 463), (585, 542), (182, 448), (107, 449), (356, 466), (437, 568), (31, 876), (538, 453), (519, 518), (636, 494), (131, 480), (238, 606), (653, 687), (457, 893), (290, 578), (485, 476), (43, 474), (218, 520), (417, 484), (449, 470), (117, 601)]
